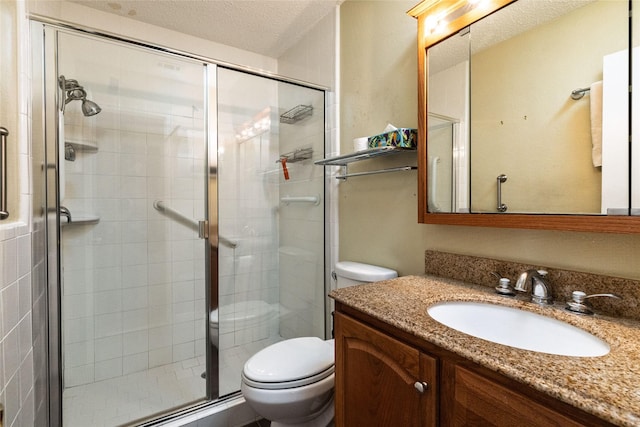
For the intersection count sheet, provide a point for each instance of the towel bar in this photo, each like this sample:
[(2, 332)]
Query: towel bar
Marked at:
[(579, 93)]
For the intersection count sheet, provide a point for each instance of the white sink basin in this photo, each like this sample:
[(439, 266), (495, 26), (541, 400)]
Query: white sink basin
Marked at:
[(518, 328)]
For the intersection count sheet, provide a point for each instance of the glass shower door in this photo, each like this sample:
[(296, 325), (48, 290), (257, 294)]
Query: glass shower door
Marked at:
[(271, 217), (132, 189)]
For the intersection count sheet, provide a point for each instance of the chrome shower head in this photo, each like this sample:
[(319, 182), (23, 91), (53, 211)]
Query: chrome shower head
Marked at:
[(90, 108), (72, 91)]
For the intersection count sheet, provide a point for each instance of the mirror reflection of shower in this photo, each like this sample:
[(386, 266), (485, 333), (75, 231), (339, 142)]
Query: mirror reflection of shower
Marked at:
[(72, 91)]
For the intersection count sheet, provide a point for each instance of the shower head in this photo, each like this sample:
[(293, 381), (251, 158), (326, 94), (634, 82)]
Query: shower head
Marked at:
[(72, 91), (90, 108)]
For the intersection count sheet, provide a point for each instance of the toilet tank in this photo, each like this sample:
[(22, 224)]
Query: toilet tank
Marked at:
[(350, 273)]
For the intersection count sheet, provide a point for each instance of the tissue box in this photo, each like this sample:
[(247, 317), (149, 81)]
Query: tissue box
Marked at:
[(402, 137)]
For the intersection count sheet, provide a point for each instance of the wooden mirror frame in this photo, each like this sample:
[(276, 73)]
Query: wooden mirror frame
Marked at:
[(463, 18)]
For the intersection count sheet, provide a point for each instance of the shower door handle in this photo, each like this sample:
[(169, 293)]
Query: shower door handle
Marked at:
[(203, 229)]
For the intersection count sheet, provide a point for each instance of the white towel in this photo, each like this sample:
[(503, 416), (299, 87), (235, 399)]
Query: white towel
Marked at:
[(596, 123)]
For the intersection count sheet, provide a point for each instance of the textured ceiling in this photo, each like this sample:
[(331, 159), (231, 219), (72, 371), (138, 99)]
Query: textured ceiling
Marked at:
[(508, 22), (267, 27)]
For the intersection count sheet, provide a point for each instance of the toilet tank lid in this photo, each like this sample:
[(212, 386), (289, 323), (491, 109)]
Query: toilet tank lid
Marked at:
[(363, 272), (290, 360)]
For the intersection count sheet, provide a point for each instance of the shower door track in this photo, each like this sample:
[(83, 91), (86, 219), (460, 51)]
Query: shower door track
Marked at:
[(237, 67)]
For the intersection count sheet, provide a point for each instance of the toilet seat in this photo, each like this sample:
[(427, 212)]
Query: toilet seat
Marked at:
[(291, 363), (288, 384)]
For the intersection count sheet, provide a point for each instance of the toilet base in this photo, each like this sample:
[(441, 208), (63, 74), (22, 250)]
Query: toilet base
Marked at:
[(324, 419)]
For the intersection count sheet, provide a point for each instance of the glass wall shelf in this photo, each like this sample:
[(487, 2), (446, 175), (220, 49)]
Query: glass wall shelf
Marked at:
[(370, 153)]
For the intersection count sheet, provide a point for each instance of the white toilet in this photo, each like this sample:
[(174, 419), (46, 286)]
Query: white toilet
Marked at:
[(291, 382)]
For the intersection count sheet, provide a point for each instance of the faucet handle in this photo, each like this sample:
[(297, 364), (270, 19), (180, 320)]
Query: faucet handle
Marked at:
[(504, 287), (578, 304)]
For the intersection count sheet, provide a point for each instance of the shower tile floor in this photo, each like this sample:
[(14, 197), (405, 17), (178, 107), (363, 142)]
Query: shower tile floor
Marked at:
[(120, 400)]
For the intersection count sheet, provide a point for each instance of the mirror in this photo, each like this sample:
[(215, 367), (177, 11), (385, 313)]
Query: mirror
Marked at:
[(519, 144)]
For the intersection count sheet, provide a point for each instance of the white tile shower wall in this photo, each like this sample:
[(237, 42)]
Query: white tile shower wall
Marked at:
[(134, 283)]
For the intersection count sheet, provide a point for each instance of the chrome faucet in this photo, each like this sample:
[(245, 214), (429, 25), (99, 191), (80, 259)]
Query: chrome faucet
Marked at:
[(534, 281)]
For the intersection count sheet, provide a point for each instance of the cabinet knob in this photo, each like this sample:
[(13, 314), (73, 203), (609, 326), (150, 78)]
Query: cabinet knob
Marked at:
[(421, 386)]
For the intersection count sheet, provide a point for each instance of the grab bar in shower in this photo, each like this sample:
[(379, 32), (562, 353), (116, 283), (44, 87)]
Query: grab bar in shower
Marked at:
[(188, 222), (300, 199), (4, 210)]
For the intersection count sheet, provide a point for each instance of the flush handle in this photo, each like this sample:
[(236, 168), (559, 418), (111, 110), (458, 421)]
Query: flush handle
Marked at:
[(421, 386)]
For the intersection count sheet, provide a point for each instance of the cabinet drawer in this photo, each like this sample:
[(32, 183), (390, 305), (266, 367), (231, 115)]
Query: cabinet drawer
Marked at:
[(480, 401)]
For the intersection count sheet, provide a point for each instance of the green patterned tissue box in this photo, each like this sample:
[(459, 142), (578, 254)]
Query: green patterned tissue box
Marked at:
[(402, 137)]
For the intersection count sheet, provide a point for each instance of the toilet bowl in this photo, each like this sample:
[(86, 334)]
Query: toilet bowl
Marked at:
[(291, 382)]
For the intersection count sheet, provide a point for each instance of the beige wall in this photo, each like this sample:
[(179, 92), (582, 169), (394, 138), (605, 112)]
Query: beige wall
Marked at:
[(378, 213)]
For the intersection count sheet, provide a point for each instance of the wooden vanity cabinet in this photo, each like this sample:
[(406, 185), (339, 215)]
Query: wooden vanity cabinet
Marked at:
[(378, 366), (480, 401), (381, 381)]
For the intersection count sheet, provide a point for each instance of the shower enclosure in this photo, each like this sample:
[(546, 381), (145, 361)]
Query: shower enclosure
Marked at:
[(188, 223)]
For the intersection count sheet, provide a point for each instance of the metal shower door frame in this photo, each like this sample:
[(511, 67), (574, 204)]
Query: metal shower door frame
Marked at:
[(51, 112)]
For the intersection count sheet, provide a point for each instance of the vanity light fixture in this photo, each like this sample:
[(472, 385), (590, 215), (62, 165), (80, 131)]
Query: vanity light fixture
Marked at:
[(438, 17), (435, 24), (479, 4)]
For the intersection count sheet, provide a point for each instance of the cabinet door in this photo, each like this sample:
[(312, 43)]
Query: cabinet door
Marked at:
[(376, 378), (481, 401)]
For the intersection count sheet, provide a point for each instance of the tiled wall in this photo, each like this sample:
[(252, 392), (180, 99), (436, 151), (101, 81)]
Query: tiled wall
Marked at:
[(16, 369), (16, 347)]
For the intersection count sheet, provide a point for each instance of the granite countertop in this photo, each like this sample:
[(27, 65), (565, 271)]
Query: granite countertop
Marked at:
[(606, 386)]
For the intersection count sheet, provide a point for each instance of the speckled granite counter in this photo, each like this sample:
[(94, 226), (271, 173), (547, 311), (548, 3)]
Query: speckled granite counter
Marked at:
[(607, 386)]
